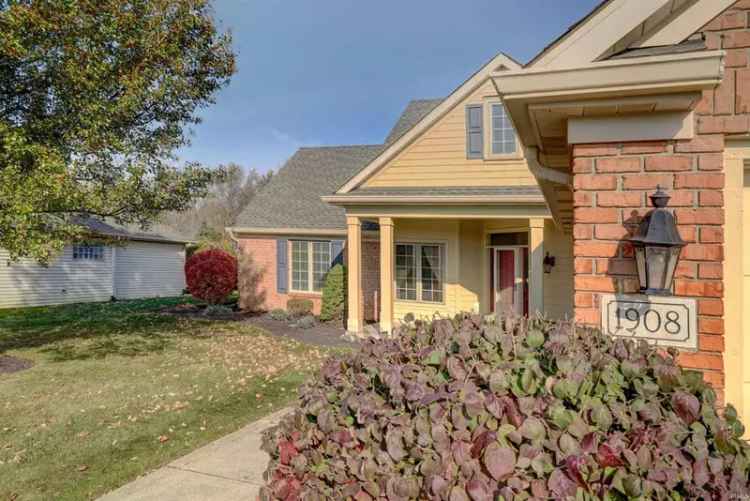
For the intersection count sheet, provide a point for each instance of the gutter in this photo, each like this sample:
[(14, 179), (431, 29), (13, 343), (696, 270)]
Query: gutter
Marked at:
[(283, 231), (689, 71)]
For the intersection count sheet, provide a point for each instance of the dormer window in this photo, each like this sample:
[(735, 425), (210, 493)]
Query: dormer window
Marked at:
[(503, 134)]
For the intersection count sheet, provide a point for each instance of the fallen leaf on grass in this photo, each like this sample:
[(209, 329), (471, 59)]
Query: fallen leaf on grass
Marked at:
[(82, 467), (163, 438)]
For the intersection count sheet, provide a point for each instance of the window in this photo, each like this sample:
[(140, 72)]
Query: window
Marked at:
[(310, 264), (90, 252), (503, 135), (419, 272)]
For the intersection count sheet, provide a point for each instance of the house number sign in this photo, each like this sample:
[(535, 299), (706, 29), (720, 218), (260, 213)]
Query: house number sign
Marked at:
[(660, 320)]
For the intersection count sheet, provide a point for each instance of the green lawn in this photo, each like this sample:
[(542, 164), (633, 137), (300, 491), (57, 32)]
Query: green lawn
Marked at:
[(118, 389)]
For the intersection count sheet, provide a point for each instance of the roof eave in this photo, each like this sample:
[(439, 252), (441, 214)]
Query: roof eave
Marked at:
[(346, 200), (622, 78)]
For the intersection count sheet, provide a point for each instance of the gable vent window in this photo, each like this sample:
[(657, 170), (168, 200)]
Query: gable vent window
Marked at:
[(88, 252), (503, 135)]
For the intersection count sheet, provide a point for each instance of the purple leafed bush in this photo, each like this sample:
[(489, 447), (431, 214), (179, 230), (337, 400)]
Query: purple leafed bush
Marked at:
[(465, 410)]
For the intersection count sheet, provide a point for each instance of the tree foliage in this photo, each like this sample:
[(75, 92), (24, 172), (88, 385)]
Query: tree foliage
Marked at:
[(467, 409), (95, 97), (226, 198), (211, 275)]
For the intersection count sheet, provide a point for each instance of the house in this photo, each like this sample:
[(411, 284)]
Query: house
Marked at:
[(116, 262), (519, 191)]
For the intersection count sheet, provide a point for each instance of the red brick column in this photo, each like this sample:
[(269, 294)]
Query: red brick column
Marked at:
[(611, 187), (612, 182)]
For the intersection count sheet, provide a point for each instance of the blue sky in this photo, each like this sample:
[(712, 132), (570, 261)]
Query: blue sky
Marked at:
[(329, 72)]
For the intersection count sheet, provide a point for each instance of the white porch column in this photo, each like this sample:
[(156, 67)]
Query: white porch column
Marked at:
[(355, 321), (386, 274), (536, 266)]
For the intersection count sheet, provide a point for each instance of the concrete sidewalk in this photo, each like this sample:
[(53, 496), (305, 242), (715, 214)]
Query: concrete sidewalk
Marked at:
[(230, 468)]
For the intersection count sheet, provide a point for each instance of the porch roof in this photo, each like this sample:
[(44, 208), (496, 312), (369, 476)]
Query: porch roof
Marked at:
[(491, 195)]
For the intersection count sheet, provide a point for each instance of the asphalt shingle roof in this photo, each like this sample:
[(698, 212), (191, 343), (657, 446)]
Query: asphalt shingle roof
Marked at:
[(415, 111), (292, 198), (155, 233)]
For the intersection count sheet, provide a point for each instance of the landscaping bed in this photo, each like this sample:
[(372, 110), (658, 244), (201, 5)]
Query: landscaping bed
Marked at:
[(117, 389)]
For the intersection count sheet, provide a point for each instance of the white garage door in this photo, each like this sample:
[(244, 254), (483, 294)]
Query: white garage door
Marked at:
[(146, 269)]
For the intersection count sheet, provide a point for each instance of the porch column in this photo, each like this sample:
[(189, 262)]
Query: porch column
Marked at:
[(536, 266), (386, 274), (355, 320)]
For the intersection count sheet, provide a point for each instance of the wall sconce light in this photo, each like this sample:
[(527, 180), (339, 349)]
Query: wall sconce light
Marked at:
[(657, 245), (548, 263)]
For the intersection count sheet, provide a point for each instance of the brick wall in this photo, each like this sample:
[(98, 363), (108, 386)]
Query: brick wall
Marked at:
[(257, 277), (371, 279), (611, 187)]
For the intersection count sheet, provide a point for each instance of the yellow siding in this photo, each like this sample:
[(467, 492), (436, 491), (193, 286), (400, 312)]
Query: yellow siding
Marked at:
[(443, 232), (558, 285), (467, 272), (438, 157), (737, 257)]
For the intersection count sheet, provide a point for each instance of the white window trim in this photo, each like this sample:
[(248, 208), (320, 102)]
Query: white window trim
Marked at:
[(443, 266), (487, 119), (77, 256), (310, 265)]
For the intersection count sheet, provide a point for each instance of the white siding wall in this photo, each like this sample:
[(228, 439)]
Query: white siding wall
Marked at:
[(144, 269), (65, 280)]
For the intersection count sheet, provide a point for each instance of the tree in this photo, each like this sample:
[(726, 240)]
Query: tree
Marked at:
[(226, 199), (95, 97)]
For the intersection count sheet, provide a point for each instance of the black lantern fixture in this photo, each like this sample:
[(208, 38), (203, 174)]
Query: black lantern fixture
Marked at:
[(548, 263), (657, 246)]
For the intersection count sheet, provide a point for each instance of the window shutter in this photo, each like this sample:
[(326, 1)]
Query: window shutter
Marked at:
[(337, 252), (282, 266), (474, 132)]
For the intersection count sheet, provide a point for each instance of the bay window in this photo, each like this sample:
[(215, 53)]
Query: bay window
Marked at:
[(419, 272)]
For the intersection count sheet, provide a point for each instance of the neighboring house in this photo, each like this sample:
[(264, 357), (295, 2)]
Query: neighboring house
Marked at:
[(459, 208), (132, 264)]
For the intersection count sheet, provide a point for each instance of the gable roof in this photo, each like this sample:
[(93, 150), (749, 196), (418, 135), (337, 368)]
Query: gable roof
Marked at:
[(565, 34), (292, 198), (428, 119), (614, 26), (415, 111)]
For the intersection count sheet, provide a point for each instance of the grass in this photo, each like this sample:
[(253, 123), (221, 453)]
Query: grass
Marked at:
[(118, 389)]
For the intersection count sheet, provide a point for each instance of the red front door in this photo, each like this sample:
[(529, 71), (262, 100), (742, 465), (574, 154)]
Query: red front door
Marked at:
[(510, 281)]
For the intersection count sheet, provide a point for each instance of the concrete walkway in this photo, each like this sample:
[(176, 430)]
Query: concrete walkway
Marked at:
[(230, 468)]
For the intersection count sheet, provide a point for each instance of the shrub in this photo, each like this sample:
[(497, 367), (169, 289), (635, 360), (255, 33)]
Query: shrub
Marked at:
[(334, 295), (211, 275), (279, 315), (468, 410), (306, 322), (299, 307)]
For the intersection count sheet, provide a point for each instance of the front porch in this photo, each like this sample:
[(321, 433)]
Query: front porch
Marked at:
[(468, 260)]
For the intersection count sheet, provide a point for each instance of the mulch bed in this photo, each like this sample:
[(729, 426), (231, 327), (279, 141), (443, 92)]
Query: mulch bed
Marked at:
[(197, 311), (10, 364)]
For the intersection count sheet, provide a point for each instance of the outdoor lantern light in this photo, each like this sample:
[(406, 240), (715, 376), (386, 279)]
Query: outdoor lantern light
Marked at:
[(548, 263), (657, 246)]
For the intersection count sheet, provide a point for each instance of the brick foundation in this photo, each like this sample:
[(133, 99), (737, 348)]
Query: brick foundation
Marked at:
[(611, 187)]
